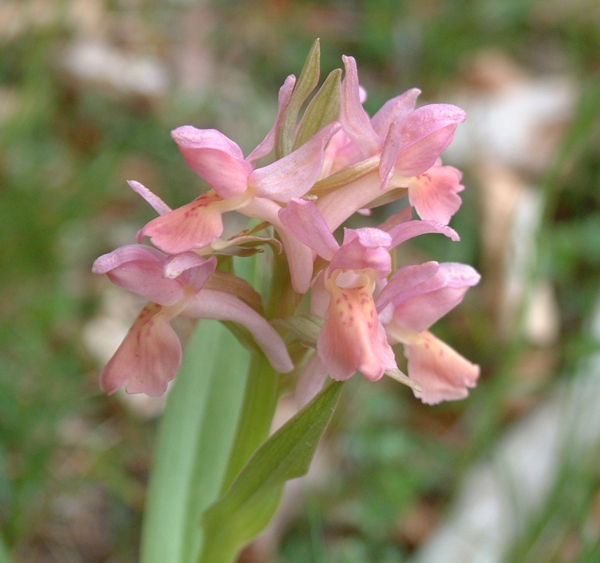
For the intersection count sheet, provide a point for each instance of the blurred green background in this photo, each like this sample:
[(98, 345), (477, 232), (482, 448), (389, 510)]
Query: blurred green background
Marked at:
[(89, 90)]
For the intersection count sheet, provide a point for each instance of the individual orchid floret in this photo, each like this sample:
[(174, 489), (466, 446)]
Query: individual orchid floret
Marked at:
[(352, 338), (401, 145), (150, 355), (300, 255), (235, 184), (414, 299)]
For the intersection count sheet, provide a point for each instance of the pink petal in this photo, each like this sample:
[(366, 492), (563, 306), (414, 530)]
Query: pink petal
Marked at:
[(214, 157), (364, 248), (319, 296), (352, 338), (343, 202), (194, 225), (419, 313), (434, 193), (139, 269), (295, 174), (404, 281), (285, 93), (191, 269), (396, 219), (303, 220), (389, 155), (404, 231), (147, 359), (442, 372), (129, 253), (300, 261), (310, 381), (394, 109), (211, 304), (425, 133), (340, 153), (354, 118), (300, 257), (157, 204), (417, 308)]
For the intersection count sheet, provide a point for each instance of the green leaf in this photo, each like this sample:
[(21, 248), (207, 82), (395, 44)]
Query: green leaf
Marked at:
[(309, 78), (194, 443), (323, 109), (254, 496)]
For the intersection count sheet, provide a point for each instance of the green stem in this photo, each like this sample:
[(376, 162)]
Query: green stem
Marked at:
[(262, 386), (258, 409)]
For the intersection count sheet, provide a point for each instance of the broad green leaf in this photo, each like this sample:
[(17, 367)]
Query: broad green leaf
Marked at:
[(194, 443), (309, 78), (251, 502), (322, 110)]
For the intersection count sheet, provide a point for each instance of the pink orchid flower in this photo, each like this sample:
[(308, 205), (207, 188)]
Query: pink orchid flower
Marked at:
[(352, 338), (237, 185), (300, 256), (406, 144), (150, 355), (414, 299)]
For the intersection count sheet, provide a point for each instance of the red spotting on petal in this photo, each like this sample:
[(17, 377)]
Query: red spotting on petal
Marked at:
[(352, 338), (434, 193), (442, 372), (147, 359), (214, 157), (194, 225)]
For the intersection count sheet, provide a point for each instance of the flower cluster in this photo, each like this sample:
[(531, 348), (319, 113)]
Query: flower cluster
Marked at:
[(336, 161)]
